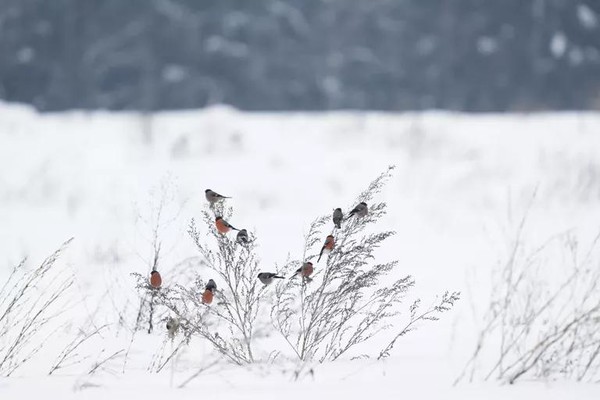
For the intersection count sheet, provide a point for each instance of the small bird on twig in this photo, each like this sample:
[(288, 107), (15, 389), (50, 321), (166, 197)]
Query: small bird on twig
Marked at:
[(214, 197), (223, 226), (209, 292), (155, 279), (305, 271), (242, 237), (268, 277), (337, 217), (172, 326), (327, 247), (360, 210)]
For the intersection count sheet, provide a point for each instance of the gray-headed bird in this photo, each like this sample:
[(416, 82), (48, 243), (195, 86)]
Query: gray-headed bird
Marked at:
[(360, 210), (268, 277), (214, 197), (337, 217), (242, 237)]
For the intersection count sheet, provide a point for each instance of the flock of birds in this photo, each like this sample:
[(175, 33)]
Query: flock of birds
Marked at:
[(224, 227)]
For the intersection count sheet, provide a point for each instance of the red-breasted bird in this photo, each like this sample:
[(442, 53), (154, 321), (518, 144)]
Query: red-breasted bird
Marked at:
[(214, 197), (327, 247), (337, 217), (305, 270), (155, 279), (361, 210), (268, 277), (223, 226), (209, 292), (242, 237)]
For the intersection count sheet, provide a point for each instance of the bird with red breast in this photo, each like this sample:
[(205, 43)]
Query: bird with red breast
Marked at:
[(209, 292), (327, 247), (223, 226), (305, 271), (155, 279)]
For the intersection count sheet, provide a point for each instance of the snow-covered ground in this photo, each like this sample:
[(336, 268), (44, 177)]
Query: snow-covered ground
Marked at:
[(461, 184)]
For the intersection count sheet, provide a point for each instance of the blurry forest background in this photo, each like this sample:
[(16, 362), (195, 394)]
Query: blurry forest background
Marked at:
[(469, 55)]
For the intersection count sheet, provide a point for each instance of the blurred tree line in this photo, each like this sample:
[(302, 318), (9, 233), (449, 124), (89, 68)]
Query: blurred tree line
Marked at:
[(473, 55)]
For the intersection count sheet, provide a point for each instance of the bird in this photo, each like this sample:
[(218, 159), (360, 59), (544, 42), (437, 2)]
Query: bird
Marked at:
[(209, 291), (155, 279), (172, 326), (268, 277), (360, 210), (327, 247), (214, 197), (337, 217), (242, 237), (305, 270), (223, 226)]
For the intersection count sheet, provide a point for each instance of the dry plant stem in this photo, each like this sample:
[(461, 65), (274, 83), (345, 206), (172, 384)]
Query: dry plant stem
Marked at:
[(30, 301), (69, 350), (431, 314), (198, 373), (102, 362)]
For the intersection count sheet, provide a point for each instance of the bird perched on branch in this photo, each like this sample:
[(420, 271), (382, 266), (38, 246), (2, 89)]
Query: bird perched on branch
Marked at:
[(242, 237), (337, 217), (360, 210), (209, 292), (223, 226), (214, 197), (305, 271), (268, 277), (327, 247), (155, 279), (172, 326)]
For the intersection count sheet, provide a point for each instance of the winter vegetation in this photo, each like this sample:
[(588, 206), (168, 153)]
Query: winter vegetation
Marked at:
[(543, 315), (321, 317), (380, 313)]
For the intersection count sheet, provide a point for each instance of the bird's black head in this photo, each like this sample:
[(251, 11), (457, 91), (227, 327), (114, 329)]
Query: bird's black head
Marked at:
[(154, 272), (338, 209), (207, 190), (218, 218), (362, 203)]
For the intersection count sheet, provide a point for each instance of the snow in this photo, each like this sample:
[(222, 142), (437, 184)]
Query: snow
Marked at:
[(587, 17), (460, 186), (558, 44)]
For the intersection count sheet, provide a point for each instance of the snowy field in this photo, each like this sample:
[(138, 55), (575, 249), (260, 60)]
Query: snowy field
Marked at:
[(460, 187)]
